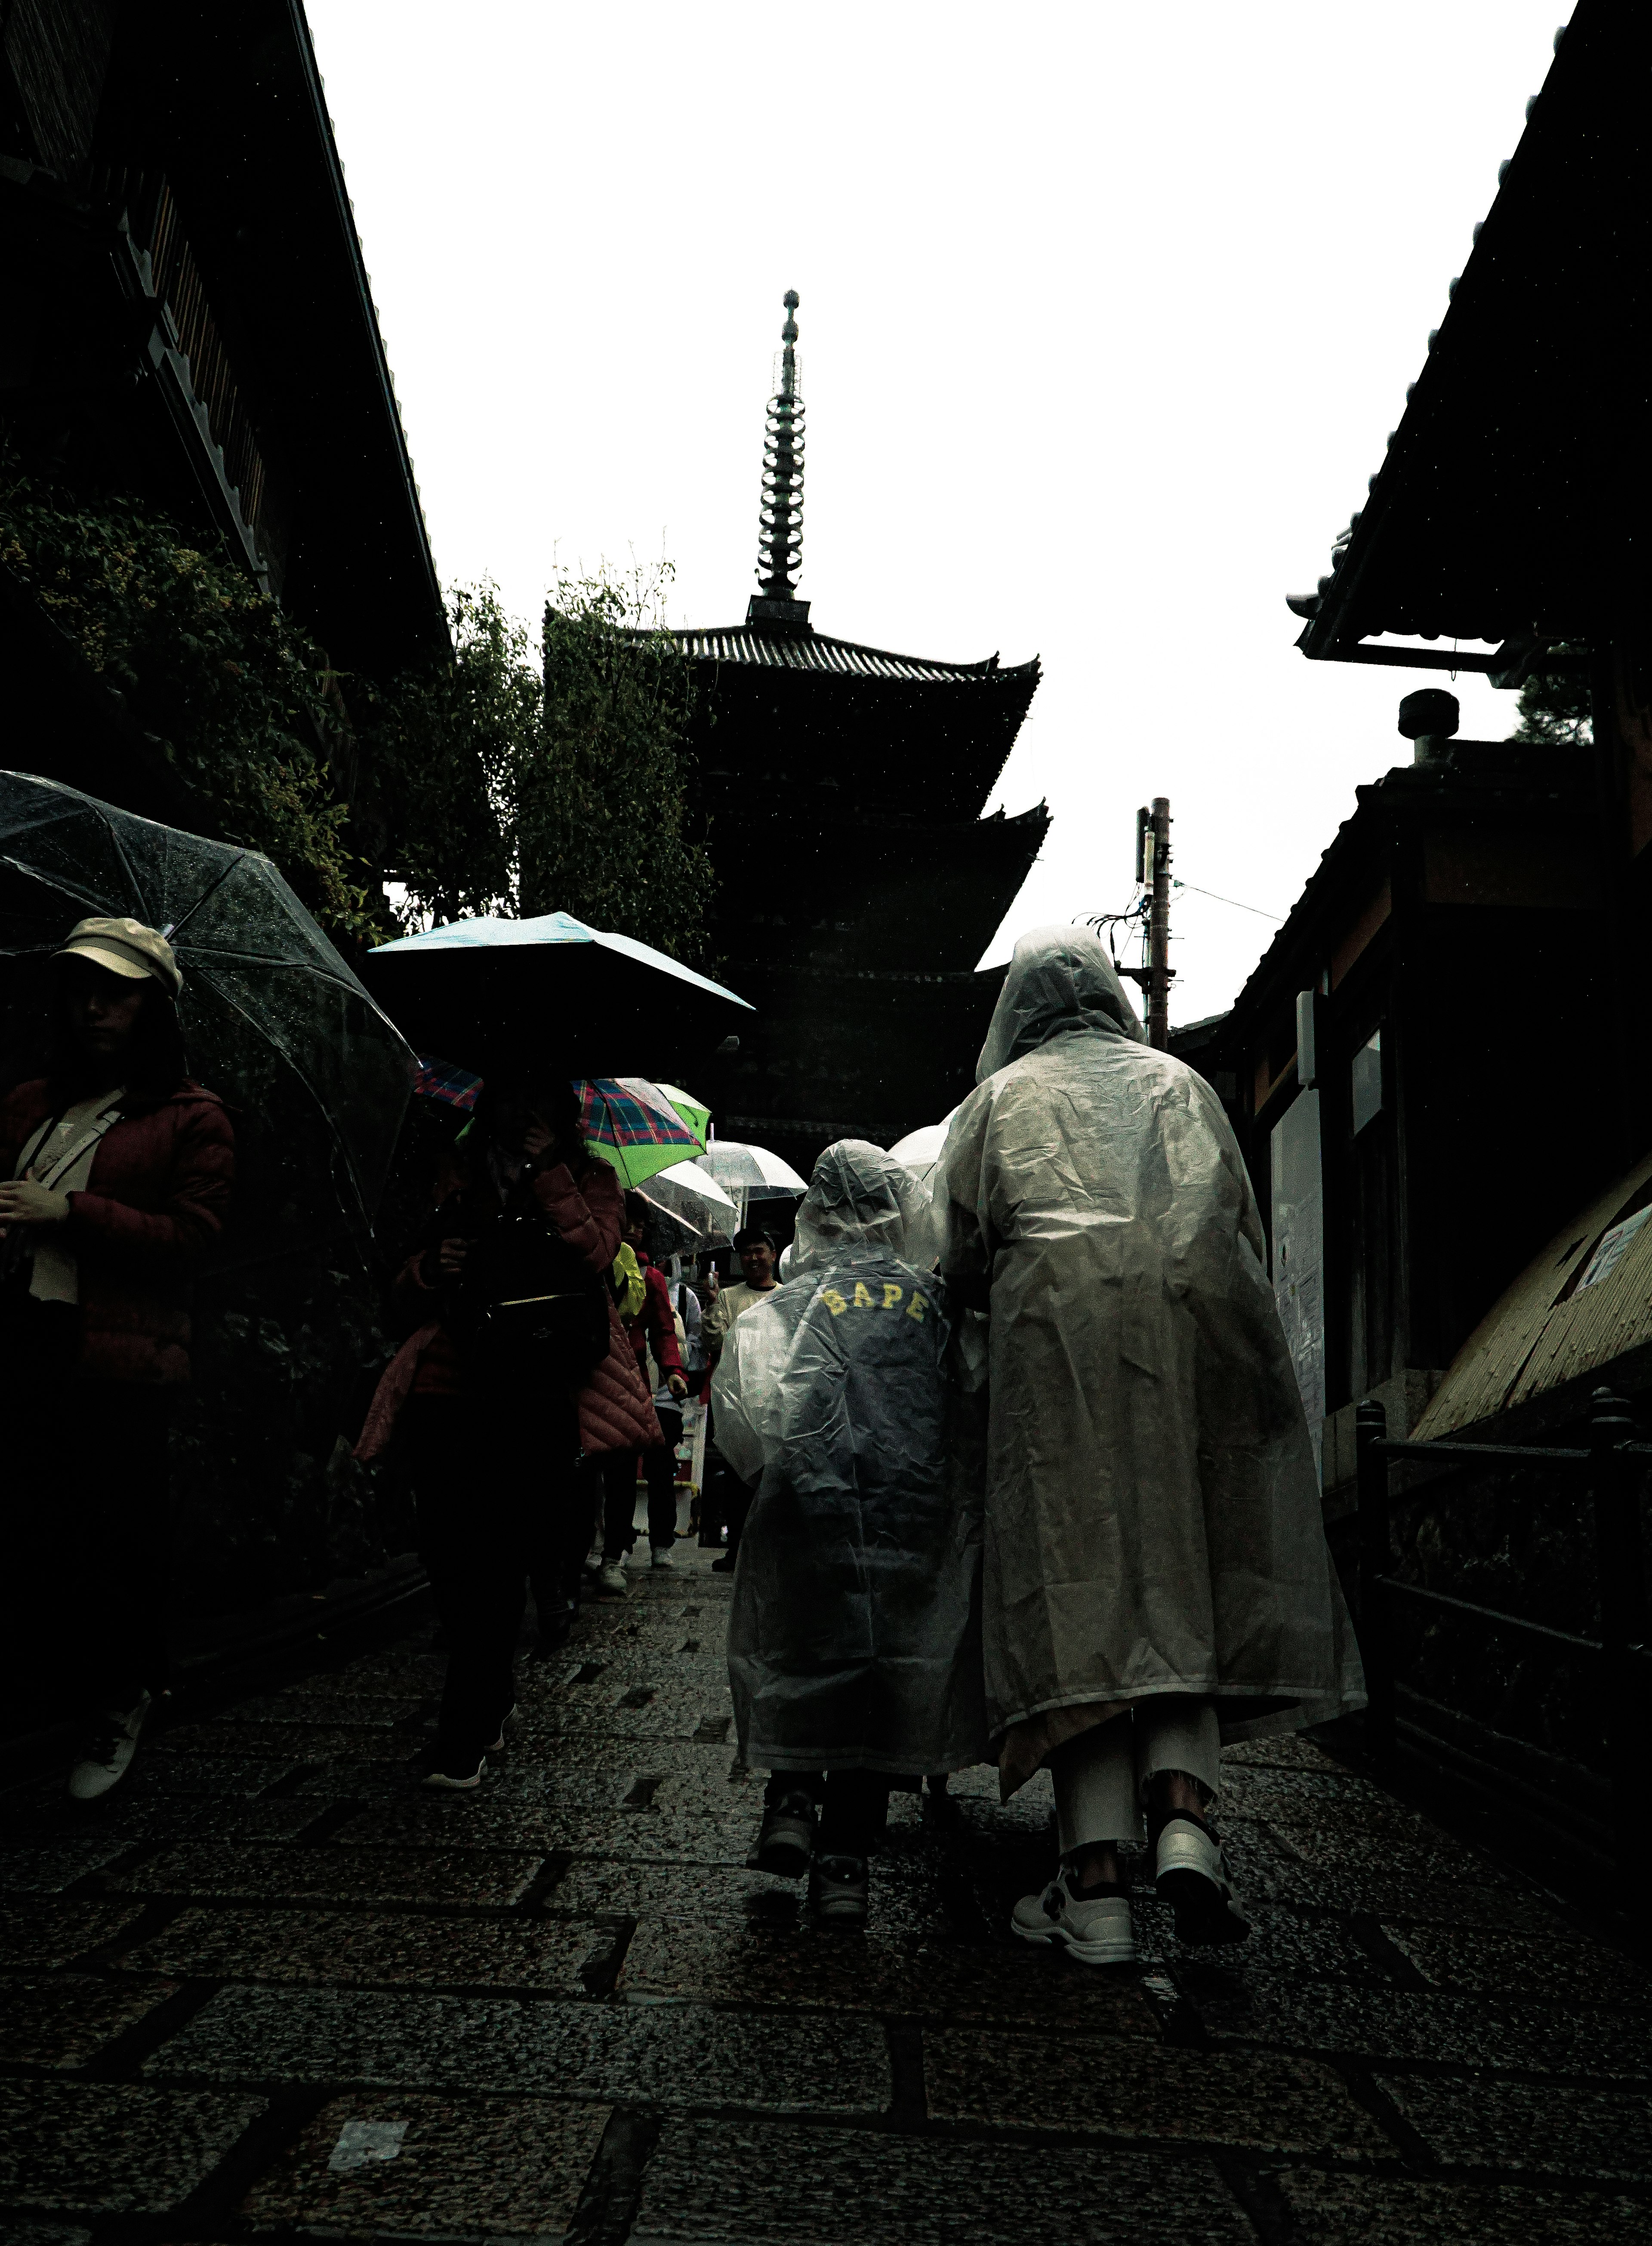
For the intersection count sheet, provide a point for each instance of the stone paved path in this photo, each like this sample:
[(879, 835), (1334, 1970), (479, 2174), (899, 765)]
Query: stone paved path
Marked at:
[(269, 1990)]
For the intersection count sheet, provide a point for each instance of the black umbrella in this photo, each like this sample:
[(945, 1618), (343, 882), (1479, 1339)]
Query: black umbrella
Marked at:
[(487, 993), (274, 1019)]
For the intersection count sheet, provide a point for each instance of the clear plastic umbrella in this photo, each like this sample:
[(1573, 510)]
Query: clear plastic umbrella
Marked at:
[(752, 1171), (317, 1076), (920, 1151), (688, 1185)]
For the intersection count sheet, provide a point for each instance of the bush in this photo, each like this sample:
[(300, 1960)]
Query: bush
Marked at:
[(239, 697)]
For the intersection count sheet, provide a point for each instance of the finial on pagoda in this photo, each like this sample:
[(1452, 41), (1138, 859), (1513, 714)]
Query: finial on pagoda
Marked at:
[(780, 533)]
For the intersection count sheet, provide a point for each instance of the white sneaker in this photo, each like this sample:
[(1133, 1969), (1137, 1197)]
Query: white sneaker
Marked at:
[(106, 1756), (610, 1577), (1097, 1932), (660, 1556), (452, 1776), (1193, 1878), (496, 1746)]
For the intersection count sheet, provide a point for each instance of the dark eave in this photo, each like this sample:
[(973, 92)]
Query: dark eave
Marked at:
[(229, 103), (793, 716), (1511, 506), (841, 658)]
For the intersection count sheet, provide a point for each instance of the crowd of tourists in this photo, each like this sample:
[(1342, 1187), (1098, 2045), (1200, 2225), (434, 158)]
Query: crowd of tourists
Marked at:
[(1011, 1468)]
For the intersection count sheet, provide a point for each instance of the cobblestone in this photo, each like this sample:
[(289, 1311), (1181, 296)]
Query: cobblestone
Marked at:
[(1544, 2128), (468, 2168), (1120, 2090), (289, 1989), (719, 2184), (361, 1949), (63, 2019), (108, 2149), (475, 1876), (1343, 2210), (677, 2055), (58, 1933)]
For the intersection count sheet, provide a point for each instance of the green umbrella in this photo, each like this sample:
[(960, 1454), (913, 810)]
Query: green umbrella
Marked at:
[(637, 1126), (694, 1113)]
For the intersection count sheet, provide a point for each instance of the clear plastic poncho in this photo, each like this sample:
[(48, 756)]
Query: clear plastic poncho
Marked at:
[(1152, 1516), (853, 1638)]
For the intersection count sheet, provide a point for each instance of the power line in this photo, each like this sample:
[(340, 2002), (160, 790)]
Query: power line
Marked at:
[(1277, 918)]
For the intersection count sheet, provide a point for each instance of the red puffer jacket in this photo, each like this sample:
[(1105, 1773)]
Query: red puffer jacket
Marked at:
[(154, 1203), (655, 1325), (615, 1412)]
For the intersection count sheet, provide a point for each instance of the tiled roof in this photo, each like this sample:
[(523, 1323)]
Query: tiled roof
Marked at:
[(812, 650), (1501, 514)]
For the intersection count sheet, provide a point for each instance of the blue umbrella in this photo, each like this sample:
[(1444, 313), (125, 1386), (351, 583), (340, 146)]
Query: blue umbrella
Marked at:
[(584, 1000)]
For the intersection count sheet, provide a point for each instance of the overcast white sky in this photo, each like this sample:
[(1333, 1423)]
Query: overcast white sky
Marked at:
[(1106, 312)]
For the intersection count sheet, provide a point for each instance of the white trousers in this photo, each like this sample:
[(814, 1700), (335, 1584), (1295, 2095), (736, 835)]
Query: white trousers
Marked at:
[(1101, 1777)]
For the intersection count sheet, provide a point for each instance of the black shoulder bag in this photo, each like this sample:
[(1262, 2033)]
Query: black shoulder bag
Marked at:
[(527, 1309)]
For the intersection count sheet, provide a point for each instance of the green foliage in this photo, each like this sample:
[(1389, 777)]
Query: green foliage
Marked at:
[(1554, 707), (561, 787), (602, 821), (487, 783), (238, 694), (439, 747)]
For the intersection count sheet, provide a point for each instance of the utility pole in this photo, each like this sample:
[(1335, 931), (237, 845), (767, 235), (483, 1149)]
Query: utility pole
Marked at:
[(1159, 967), (1152, 874)]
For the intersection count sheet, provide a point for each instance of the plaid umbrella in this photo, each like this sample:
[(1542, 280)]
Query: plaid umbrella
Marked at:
[(440, 1080), (631, 1124)]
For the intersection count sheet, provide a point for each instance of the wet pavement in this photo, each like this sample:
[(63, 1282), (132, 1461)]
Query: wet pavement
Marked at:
[(268, 1990)]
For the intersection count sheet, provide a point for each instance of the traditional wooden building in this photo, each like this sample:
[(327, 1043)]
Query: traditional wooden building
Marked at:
[(1493, 896), (1385, 1064), (188, 321), (1442, 1064), (858, 883)]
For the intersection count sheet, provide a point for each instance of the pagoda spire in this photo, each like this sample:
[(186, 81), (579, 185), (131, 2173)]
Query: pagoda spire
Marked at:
[(780, 533)]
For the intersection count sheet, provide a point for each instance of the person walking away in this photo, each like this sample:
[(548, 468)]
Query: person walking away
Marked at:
[(1156, 1578), (854, 1652), (732, 1497), (118, 1172), (645, 1302), (498, 1419)]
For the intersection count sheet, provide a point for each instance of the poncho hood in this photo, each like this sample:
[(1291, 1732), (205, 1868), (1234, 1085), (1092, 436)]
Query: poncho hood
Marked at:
[(1059, 979), (861, 1201)]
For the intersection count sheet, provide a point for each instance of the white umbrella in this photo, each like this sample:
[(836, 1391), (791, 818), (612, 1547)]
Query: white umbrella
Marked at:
[(689, 1184), (752, 1171), (920, 1151)]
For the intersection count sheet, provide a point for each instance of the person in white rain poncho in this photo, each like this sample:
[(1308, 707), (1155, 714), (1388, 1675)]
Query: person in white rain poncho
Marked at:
[(855, 1651), (1155, 1575)]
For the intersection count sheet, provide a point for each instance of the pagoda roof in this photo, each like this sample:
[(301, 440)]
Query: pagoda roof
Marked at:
[(841, 658), (824, 724), (1510, 506)]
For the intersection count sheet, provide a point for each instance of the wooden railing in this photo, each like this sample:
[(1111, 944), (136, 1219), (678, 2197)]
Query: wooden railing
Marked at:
[(1610, 1470), (150, 209)]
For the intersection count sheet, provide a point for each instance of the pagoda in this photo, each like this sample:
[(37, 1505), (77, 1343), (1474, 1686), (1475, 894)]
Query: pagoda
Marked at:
[(858, 883)]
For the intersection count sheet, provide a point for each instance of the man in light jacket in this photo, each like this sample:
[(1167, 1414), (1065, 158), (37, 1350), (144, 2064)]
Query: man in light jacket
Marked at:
[(1156, 1577)]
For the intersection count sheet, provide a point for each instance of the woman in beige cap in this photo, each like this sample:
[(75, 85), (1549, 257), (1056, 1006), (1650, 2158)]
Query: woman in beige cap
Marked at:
[(115, 1177)]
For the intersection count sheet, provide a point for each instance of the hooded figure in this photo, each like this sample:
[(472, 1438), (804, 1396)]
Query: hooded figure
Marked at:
[(853, 1638), (1152, 1522)]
